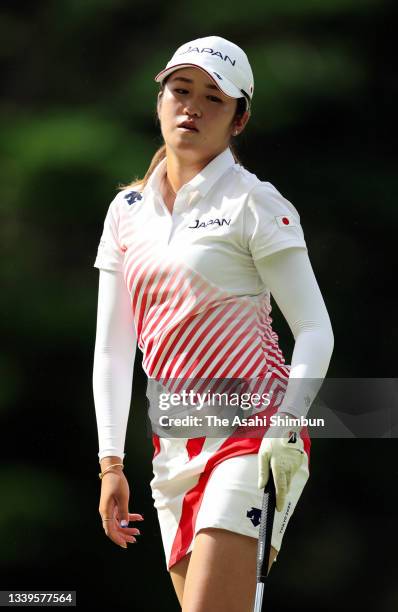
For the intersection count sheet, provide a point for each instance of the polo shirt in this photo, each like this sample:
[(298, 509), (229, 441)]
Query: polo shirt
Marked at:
[(200, 306)]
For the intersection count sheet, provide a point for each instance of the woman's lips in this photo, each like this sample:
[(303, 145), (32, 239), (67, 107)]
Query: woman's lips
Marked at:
[(188, 127)]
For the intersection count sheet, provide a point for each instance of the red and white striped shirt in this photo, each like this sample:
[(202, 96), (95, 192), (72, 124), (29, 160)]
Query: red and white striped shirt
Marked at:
[(201, 310)]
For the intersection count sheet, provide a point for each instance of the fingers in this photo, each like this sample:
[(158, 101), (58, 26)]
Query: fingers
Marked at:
[(284, 468), (284, 459), (263, 470), (135, 517), (118, 534), (125, 519), (281, 487)]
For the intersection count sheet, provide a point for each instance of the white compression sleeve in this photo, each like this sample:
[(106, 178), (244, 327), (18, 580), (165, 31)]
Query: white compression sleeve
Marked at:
[(289, 276), (114, 356)]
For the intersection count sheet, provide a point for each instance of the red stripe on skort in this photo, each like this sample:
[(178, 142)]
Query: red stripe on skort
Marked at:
[(194, 446), (156, 444), (232, 447)]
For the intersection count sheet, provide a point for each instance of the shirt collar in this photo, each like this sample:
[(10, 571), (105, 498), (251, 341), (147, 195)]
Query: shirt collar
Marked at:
[(201, 182)]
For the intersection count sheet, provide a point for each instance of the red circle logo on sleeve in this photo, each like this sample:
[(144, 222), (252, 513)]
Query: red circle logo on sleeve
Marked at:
[(285, 221)]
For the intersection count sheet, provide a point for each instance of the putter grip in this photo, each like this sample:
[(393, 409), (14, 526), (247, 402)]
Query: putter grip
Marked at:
[(265, 532)]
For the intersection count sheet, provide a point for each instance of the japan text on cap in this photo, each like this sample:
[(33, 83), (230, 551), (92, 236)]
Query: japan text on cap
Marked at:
[(224, 62)]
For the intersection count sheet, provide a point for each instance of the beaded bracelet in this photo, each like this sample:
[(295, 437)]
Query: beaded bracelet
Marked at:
[(101, 474)]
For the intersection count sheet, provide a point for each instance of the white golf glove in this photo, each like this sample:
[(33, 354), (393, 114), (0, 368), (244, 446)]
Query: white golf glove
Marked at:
[(285, 458)]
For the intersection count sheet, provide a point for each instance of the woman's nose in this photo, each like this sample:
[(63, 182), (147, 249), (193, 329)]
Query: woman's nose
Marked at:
[(191, 107)]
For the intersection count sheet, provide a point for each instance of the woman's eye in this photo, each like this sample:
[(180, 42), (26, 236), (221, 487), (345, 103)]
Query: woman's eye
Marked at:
[(180, 90)]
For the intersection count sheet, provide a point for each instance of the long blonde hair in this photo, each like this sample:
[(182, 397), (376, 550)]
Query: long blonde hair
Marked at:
[(161, 152)]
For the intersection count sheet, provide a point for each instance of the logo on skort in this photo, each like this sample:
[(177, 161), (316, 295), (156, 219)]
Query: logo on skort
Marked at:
[(254, 514)]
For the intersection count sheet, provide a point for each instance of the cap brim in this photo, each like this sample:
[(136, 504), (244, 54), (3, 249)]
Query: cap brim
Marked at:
[(228, 88)]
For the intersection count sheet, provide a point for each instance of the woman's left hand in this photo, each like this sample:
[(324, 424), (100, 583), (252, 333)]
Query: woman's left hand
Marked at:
[(284, 452)]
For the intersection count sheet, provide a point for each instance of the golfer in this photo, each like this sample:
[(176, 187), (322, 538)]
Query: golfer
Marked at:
[(189, 257)]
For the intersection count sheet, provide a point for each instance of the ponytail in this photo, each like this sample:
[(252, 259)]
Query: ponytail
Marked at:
[(155, 161)]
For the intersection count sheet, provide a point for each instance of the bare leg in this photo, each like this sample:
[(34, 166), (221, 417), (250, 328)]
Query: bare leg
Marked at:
[(177, 574), (221, 574)]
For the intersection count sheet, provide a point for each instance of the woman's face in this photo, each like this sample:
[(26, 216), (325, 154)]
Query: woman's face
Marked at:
[(191, 96)]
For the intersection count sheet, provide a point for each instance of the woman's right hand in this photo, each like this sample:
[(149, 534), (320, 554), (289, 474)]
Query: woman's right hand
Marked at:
[(113, 509)]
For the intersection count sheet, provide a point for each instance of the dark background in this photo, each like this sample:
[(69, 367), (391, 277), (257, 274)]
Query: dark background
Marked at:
[(77, 119)]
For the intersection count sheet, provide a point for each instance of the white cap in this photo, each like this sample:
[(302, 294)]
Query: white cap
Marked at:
[(224, 62)]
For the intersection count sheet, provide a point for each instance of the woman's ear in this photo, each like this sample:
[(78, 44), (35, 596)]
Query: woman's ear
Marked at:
[(240, 123)]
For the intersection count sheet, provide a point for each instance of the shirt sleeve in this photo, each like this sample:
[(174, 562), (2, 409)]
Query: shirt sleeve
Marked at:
[(110, 255), (272, 223), (291, 280), (114, 357)]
